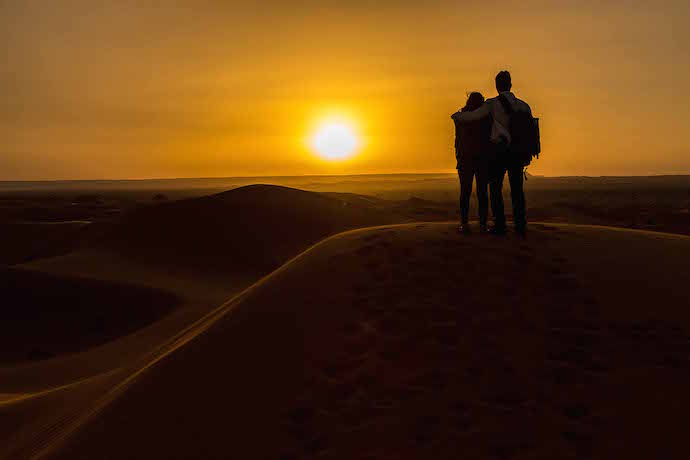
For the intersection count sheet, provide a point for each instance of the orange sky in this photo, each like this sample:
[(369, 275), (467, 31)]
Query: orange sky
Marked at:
[(209, 88)]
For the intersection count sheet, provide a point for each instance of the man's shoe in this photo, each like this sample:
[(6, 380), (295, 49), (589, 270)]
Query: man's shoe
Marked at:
[(464, 228), (483, 228), (521, 231)]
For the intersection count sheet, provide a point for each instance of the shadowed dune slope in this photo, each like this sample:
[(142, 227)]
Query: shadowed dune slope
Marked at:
[(251, 229), (45, 315), (416, 342)]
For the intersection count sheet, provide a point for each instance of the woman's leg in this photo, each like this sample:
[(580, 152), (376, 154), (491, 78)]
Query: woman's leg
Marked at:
[(460, 194), (465, 175), (482, 174)]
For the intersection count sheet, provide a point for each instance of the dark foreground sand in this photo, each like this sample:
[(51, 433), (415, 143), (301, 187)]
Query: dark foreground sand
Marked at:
[(413, 342)]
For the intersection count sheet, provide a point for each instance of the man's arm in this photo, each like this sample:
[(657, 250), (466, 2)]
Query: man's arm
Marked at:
[(481, 112), (524, 106)]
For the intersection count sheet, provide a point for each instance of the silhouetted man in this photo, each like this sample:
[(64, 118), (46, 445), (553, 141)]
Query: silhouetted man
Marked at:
[(498, 109)]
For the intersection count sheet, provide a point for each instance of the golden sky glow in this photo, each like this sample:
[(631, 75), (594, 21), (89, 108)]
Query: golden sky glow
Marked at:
[(208, 88)]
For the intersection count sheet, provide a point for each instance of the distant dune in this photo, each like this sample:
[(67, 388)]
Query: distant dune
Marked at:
[(251, 229), (416, 342), (657, 203)]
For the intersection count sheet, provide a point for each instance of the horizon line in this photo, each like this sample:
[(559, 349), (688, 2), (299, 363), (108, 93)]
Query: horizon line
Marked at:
[(5, 181)]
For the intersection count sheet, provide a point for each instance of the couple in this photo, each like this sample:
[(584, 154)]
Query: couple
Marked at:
[(485, 149)]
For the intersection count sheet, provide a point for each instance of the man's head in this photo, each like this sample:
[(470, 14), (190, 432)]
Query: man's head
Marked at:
[(503, 82)]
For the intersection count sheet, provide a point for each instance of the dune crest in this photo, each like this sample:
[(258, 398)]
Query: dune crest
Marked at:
[(249, 229)]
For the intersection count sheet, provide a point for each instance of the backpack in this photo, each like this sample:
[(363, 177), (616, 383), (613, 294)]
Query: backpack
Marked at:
[(524, 131)]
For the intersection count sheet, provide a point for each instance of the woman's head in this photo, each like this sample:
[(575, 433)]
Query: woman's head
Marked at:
[(474, 101)]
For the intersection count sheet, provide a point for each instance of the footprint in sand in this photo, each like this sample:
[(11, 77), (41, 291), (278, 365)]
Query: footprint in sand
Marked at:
[(299, 425), (572, 355), (506, 398), (582, 441), (576, 411), (316, 445), (561, 374), (507, 450), (372, 264), (370, 238), (301, 415), (425, 428), (342, 391), (435, 379), (560, 259), (524, 259), (365, 250)]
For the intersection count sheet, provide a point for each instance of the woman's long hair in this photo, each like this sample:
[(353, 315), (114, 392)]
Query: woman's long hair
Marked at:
[(474, 101)]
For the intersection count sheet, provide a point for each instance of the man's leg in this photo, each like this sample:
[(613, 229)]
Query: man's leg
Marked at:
[(517, 194), (497, 172), (481, 174)]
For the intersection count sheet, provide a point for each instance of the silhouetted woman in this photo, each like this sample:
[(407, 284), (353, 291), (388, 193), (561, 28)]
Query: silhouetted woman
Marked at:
[(471, 150)]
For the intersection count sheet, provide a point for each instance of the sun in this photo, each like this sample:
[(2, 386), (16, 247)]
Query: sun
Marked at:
[(335, 140)]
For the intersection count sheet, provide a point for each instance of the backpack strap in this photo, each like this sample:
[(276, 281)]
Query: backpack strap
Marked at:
[(506, 104)]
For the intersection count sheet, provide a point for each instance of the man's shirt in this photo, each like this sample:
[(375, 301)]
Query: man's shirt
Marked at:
[(500, 128)]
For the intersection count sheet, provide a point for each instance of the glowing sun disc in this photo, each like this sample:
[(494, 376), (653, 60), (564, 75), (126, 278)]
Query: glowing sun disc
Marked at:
[(335, 141)]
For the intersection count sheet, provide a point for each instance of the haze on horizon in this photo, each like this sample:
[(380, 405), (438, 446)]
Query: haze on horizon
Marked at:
[(126, 90)]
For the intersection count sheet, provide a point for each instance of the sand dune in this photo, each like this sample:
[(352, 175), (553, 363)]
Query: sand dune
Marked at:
[(251, 229), (414, 342), (193, 250)]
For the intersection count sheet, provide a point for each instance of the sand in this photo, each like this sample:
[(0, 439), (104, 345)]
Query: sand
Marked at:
[(191, 251), (248, 230), (409, 341), (47, 315)]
